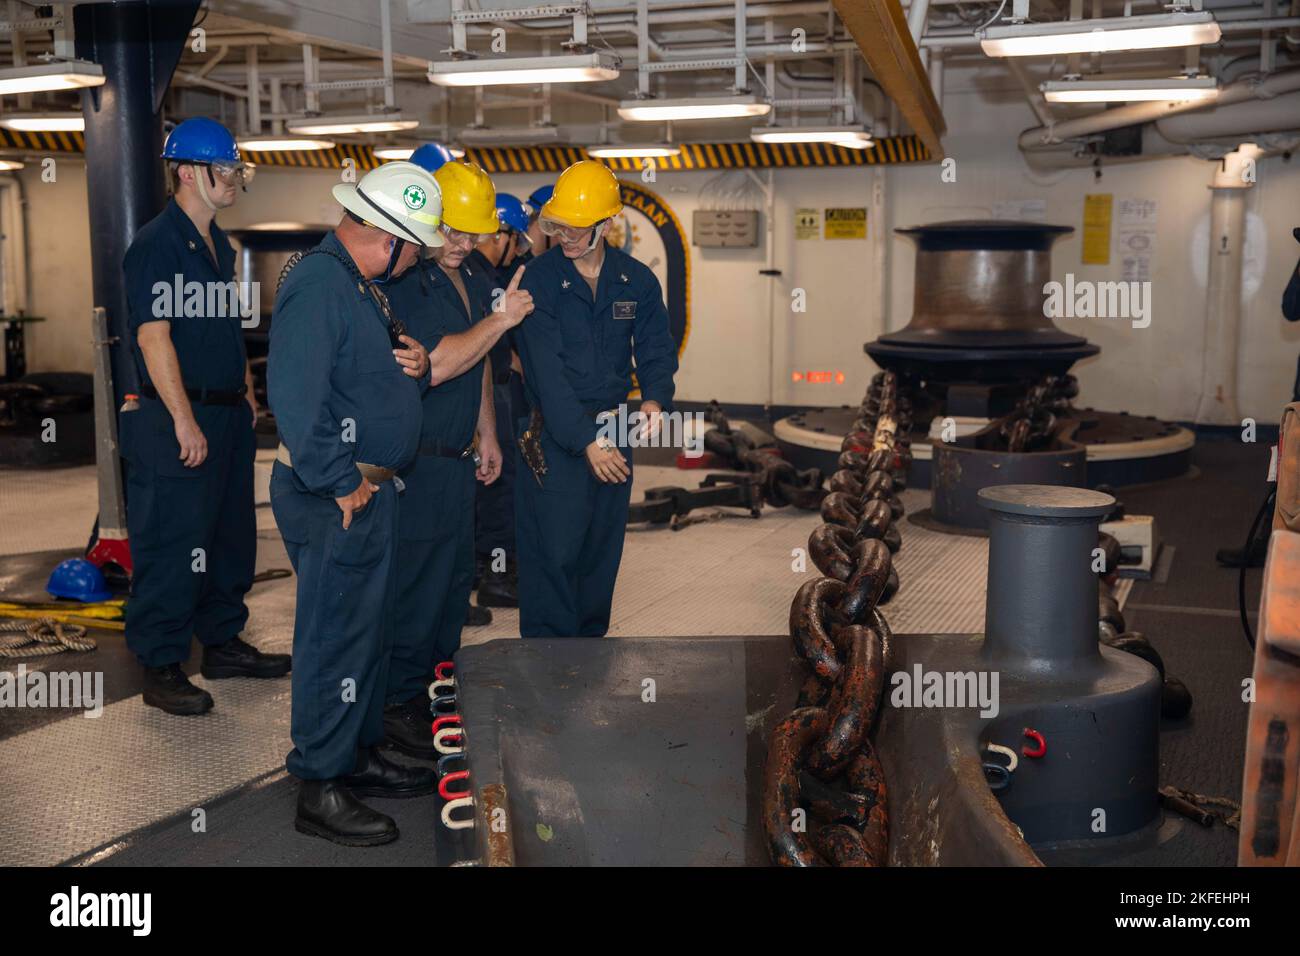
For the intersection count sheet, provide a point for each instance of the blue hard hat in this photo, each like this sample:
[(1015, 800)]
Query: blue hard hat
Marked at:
[(541, 196), (201, 140), (78, 579), (511, 212), (432, 156)]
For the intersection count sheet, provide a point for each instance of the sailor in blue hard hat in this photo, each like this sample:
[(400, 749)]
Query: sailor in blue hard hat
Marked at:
[(502, 252), (203, 143), (539, 241), (189, 446), (498, 257), (431, 156)]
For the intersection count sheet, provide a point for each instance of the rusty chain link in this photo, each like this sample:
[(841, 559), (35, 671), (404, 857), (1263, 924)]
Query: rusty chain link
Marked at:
[(782, 483), (1033, 421), (821, 761)]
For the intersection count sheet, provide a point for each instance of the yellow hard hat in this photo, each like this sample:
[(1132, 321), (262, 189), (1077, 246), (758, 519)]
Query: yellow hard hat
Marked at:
[(585, 194), (469, 200)]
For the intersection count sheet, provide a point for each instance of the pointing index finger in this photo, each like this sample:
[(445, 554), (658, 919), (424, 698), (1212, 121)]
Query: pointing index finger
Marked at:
[(514, 280)]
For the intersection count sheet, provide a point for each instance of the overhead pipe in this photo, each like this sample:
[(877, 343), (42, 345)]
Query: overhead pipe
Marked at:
[(684, 13), (1037, 102), (1218, 403), (742, 64), (1155, 147), (879, 108), (254, 93), (1135, 113), (916, 16), (1275, 115), (934, 67)]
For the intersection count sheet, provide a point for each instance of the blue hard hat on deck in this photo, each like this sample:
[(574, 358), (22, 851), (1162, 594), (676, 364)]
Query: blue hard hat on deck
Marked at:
[(78, 579), (201, 140), (511, 212), (541, 196), (432, 156)]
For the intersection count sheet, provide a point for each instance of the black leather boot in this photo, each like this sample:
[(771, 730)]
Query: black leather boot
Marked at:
[(168, 689), (376, 776), (478, 617), (326, 809), (236, 658), (498, 589), (409, 728)]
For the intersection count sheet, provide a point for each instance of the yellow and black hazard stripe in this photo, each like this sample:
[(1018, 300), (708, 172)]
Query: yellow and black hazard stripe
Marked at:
[(702, 156), (553, 159), (42, 142)]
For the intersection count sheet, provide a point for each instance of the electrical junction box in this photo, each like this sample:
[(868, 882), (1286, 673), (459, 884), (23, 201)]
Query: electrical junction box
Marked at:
[(724, 228)]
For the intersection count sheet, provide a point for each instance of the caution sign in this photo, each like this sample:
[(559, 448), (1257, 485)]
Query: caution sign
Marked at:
[(846, 223), (807, 223), (1096, 229)]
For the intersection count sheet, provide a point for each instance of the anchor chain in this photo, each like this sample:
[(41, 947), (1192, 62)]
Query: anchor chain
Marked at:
[(782, 483), (1033, 422), (821, 762)]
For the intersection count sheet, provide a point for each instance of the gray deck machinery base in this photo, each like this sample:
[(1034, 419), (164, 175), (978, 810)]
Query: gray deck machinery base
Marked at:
[(650, 751)]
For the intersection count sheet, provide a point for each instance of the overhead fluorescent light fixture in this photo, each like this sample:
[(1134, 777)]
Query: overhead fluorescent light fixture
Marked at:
[(389, 153), (507, 136), (282, 144), (1178, 88), (647, 151), (850, 137), (1102, 35), (526, 71), (10, 165), (345, 125), (693, 108), (64, 122), (46, 77)]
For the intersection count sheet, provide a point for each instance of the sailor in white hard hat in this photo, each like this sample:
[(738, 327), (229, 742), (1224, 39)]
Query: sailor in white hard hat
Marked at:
[(345, 382)]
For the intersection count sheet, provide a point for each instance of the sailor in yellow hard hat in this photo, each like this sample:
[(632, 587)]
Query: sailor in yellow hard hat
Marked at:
[(596, 309), (456, 318)]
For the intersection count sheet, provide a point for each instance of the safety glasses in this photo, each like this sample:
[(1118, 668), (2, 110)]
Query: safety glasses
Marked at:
[(458, 238), (551, 227), (232, 174)]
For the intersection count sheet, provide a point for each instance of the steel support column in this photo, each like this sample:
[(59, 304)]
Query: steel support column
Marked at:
[(138, 45)]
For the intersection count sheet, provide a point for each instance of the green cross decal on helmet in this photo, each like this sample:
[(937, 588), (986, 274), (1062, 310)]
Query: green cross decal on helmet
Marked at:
[(414, 196)]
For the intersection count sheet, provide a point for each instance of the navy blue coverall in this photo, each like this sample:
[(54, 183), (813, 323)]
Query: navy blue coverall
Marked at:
[(494, 504), (577, 355), (178, 591), (435, 567), (339, 398)]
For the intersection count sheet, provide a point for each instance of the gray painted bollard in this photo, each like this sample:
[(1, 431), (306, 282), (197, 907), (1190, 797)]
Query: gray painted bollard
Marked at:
[(1097, 711), (1042, 591)]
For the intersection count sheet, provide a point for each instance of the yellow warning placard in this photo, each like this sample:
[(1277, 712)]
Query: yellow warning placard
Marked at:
[(1096, 229), (848, 223), (807, 223)]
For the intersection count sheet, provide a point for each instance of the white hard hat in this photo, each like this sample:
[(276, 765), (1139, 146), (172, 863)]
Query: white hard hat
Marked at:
[(399, 198)]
